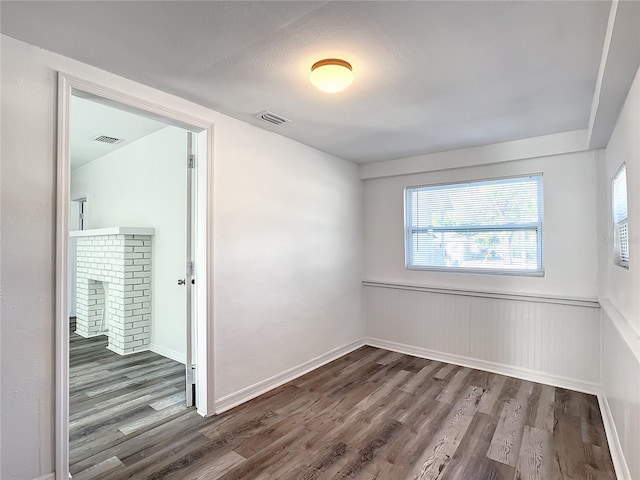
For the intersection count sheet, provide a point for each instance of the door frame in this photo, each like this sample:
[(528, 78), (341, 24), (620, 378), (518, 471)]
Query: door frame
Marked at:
[(203, 248)]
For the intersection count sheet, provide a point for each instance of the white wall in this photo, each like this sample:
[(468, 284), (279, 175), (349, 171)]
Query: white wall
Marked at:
[(27, 258), (527, 336), (570, 233), (287, 251), (288, 260), (620, 287), (143, 184), (618, 284)]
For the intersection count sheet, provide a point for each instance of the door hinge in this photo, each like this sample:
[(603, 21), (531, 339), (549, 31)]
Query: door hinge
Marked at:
[(190, 269), (191, 374), (191, 161)]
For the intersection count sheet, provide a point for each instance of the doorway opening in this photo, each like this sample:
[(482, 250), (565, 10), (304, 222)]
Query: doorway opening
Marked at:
[(132, 315)]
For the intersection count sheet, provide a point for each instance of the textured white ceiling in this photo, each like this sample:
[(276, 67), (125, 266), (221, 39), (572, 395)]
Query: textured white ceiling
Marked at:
[(429, 76), (90, 119)]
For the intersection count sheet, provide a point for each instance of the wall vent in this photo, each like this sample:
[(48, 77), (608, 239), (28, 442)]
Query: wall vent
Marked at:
[(272, 118), (106, 139)]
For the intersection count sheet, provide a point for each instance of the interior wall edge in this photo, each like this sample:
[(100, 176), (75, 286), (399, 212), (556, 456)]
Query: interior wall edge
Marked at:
[(179, 357), (595, 103), (252, 391), (549, 343), (536, 147), (49, 476), (624, 328), (615, 447), (620, 395), (477, 364)]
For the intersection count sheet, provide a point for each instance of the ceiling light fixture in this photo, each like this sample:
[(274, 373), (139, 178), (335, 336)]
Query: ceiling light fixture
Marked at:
[(331, 75)]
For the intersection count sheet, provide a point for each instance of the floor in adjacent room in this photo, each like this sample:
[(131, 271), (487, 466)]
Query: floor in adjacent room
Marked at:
[(371, 414), (114, 399)]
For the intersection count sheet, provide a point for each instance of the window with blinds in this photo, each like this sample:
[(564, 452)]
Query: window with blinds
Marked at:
[(490, 226), (620, 219)]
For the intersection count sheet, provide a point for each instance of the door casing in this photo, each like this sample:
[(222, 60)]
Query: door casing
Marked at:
[(203, 252)]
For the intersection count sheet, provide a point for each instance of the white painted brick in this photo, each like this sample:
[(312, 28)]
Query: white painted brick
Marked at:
[(120, 261)]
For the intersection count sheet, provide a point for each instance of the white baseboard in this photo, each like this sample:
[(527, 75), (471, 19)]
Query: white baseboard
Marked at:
[(49, 476), (169, 353), (502, 369), (615, 447), (228, 402)]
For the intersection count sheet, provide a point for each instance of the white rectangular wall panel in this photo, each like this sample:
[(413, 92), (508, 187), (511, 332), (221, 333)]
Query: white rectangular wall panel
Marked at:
[(621, 393), (542, 341)]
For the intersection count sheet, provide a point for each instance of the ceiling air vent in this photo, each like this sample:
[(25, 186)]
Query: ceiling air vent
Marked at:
[(106, 139), (272, 118)]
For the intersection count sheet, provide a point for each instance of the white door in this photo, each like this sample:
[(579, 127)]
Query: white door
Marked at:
[(189, 280), (76, 222)]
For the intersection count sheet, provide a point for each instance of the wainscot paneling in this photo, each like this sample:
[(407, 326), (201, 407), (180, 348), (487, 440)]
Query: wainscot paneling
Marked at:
[(548, 340), (620, 399)]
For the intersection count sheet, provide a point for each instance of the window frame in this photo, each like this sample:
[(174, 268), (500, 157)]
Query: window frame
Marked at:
[(539, 226), (618, 260)]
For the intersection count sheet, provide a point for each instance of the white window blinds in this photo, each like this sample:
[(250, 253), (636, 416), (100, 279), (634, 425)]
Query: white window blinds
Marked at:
[(492, 226), (620, 218)]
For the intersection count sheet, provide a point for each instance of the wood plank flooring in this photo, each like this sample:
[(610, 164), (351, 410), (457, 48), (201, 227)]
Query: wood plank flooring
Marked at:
[(114, 399), (371, 414)]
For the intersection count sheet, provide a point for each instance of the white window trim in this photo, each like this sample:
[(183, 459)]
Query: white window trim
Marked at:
[(539, 226), (617, 257)]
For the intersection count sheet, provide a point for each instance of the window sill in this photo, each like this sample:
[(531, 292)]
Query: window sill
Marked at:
[(480, 271)]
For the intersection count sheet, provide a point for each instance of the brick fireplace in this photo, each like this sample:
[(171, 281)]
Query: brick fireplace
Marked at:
[(113, 286)]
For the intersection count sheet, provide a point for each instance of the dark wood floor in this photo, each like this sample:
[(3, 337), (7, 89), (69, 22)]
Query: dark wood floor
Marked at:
[(114, 399), (371, 414)]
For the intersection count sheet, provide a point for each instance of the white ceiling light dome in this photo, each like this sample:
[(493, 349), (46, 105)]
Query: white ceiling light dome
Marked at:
[(331, 75)]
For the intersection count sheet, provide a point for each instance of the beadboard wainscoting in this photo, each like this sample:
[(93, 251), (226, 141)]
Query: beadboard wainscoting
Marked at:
[(620, 399), (542, 339)]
